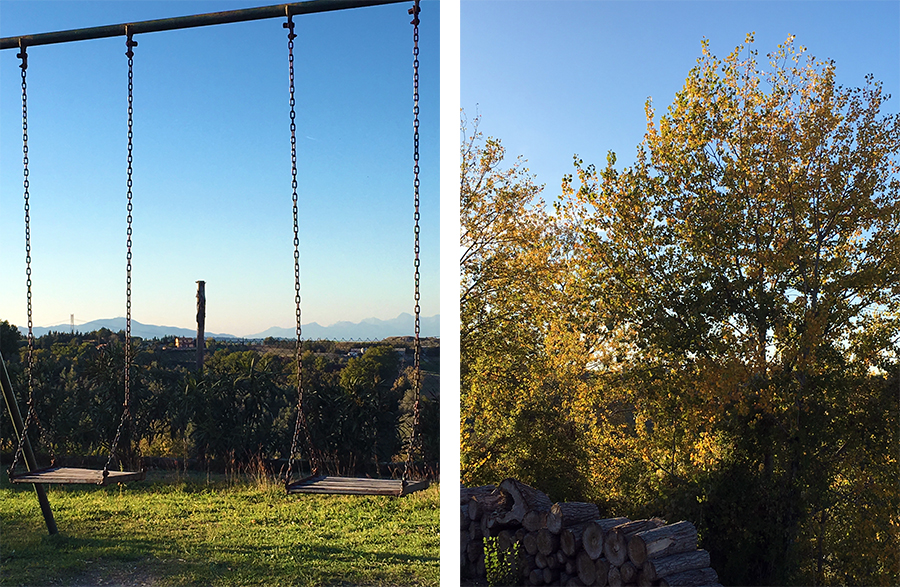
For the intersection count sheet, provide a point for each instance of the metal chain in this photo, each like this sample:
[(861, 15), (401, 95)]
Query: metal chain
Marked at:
[(301, 414), (417, 381), (130, 44), (31, 413)]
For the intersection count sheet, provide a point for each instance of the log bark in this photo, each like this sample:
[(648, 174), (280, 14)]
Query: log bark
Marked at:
[(504, 540), (587, 572), (704, 576), (568, 513), (595, 534), (656, 568), (570, 538), (540, 560), (662, 541), (464, 520), (467, 492), (547, 542), (615, 547), (536, 577), (496, 521), (482, 505), (524, 499)]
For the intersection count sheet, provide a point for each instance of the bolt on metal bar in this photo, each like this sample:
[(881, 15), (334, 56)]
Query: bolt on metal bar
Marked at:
[(183, 22)]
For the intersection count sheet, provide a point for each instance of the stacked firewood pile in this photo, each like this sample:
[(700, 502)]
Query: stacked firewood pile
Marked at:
[(569, 544)]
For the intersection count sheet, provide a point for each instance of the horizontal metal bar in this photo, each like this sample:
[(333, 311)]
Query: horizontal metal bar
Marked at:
[(184, 22)]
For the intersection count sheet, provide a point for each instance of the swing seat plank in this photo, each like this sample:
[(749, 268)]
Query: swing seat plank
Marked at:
[(355, 486), (72, 475)]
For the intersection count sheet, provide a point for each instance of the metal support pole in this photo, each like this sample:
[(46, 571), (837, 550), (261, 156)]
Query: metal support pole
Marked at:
[(13, 407), (184, 22)]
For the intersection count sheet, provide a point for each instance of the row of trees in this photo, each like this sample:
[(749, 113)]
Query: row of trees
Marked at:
[(240, 407), (711, 333)]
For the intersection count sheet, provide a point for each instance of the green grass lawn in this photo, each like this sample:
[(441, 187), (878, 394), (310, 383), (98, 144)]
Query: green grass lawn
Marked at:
[(175, 529)]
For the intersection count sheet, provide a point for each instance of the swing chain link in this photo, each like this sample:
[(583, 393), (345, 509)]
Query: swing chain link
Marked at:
[(130, 43), (301, 423), (30, 361), (417, 373)]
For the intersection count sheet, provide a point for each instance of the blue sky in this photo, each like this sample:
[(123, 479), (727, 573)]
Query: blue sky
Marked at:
[(212, 191), (552, 79)]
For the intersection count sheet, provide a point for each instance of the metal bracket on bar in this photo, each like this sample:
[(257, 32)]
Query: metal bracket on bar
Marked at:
[(290, 23), (22, 54), (130, 43)]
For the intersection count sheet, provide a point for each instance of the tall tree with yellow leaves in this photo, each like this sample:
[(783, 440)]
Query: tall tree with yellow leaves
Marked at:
[(523, 394), (749, 262)]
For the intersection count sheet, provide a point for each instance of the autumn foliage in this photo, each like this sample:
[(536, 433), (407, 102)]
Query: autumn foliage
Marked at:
[(711, 332)]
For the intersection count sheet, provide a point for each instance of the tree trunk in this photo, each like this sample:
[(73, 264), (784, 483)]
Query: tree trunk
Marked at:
[(587, 573), (594, 535), (656, 568), (524, 499), (662, 541), (568, 513), (704, 576), (615, 547), (201, 322)]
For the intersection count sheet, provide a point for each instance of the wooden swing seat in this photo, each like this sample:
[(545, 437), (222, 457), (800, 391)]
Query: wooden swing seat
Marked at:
[(72, 475), (355, 486)]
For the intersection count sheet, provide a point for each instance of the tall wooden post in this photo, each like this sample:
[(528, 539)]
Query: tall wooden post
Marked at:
[(201, 322), (19, 426)]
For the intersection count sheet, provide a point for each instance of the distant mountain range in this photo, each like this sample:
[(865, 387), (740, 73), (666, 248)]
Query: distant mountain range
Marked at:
[(368, 329)]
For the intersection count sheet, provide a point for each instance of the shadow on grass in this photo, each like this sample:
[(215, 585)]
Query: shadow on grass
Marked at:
[(71, 560)]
